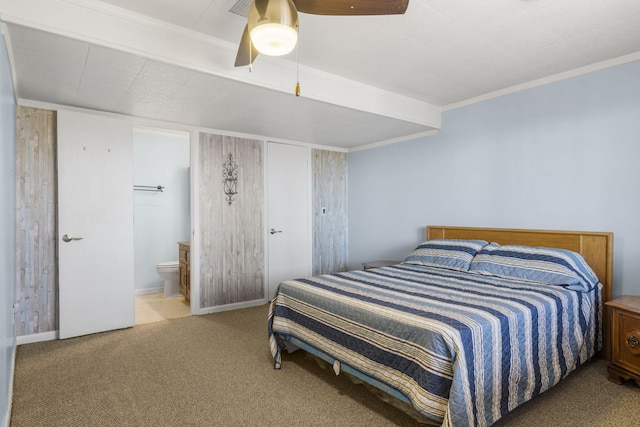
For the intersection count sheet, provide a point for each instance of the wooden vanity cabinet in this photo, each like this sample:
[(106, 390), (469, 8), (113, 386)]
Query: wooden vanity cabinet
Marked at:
[(184, 257)]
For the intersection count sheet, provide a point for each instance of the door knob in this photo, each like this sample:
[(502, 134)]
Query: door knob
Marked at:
[(274, 231), (67, 238)]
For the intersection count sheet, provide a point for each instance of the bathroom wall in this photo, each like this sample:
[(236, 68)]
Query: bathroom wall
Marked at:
[(161, 219)]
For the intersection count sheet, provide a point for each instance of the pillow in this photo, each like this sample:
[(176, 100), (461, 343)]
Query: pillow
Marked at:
[(538, 264), (448, 253)]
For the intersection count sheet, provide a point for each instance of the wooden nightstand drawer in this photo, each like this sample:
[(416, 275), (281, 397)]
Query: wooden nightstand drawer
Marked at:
[(627, 347), (625, 328)]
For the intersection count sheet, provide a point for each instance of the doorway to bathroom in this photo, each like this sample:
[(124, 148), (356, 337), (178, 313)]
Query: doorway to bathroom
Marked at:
[(162, 220)]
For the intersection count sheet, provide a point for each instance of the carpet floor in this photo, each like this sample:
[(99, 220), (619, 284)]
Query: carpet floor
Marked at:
[(216, 370)]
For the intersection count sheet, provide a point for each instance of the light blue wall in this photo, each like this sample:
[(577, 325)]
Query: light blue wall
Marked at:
[(7, 231), (561, 156), (160, 219)]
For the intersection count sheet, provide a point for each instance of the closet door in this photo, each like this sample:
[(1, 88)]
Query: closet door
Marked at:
[(95, 223), (288, 224)]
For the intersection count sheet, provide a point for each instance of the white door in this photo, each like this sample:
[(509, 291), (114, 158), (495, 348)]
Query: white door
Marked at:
[(288, 222), (95, 223)]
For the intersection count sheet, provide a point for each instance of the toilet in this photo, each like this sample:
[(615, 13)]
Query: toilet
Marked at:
[(170, 272)]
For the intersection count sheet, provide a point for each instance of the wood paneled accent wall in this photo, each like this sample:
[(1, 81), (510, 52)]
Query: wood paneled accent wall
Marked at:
[(232, 235), (36, 216), (329, 169)]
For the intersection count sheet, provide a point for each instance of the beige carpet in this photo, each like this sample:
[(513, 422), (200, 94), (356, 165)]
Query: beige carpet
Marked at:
[(216, 370)]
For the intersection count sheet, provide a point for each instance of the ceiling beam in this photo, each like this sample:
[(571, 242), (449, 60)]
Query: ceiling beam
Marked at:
[(106, 25)]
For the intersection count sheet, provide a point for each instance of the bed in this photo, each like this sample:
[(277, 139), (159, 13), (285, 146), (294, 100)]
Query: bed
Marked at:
[(473, 323)]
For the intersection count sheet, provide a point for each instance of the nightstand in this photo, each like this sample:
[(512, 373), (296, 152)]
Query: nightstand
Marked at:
[(625, 332), (378, 264)]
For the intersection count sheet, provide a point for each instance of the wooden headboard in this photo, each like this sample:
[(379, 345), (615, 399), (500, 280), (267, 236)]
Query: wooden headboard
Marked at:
[(595, 247)]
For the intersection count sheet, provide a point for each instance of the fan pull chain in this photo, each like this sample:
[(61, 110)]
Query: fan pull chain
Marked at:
[(298, 64), (250, 59)]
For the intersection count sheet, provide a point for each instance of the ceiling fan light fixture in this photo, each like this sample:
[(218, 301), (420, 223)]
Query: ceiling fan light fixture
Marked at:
[(274, 33), (274, 39)]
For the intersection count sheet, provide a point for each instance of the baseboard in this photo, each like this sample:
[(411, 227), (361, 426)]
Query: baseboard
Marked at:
[(149, 291), (31, 338), (234, 306)]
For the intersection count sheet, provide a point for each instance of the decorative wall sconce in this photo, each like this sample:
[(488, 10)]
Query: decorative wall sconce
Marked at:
[(230, 181)]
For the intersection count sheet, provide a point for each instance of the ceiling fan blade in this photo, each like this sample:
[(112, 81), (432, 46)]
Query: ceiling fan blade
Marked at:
[(352, 7), (246, 51)]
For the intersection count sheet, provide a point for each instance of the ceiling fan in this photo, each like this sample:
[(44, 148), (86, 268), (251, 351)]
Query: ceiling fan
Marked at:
[(272, 25)]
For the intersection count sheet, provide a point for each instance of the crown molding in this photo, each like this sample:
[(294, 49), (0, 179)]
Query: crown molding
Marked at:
[(546, 80), (395, 140)]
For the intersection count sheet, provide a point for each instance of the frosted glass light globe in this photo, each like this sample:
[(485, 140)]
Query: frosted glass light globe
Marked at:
[(275, 32)]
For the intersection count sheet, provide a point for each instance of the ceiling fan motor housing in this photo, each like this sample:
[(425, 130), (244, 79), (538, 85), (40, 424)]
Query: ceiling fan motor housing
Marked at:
[(273, 26)]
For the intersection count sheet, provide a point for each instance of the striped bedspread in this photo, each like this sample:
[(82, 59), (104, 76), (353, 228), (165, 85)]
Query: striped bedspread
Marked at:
[(463, 348)]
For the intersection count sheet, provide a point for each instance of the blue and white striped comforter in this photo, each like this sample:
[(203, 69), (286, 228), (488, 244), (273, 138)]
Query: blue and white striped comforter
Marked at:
[(463, 348)]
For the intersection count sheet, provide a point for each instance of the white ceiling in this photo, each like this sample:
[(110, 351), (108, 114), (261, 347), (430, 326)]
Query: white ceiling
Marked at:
[(365, 80)]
